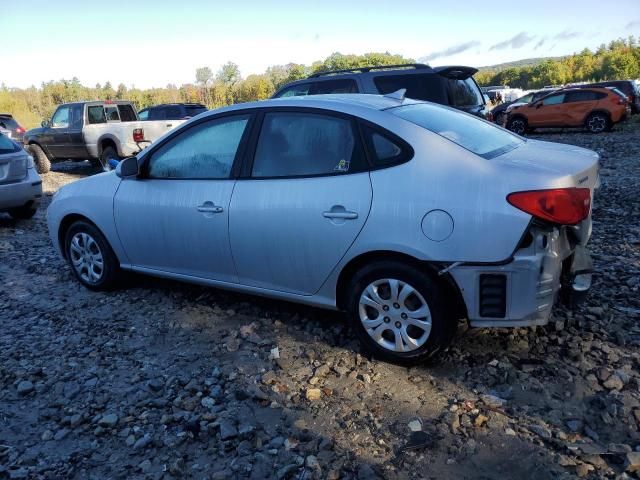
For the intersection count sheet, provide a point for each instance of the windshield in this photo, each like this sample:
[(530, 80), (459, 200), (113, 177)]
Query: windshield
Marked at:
[(8, 146), (480, 137)]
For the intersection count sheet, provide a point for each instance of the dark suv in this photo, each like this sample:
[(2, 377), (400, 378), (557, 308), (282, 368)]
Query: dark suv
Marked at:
[(7, 122), (172, 111), (453, 85), (628, 87)]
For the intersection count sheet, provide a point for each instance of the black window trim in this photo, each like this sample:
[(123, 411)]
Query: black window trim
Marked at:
[(247, 166), (407, 150), (237, 160)]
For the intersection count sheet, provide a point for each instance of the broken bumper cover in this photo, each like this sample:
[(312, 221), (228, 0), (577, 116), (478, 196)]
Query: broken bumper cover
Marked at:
[(522, 293)]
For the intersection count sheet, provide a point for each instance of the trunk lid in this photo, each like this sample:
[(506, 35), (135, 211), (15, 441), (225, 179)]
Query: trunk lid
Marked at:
[(13, 167)]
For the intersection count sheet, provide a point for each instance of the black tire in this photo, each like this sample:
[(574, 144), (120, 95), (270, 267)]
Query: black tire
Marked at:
[(518, 125), (499, 118), (110, 270), (24, 212), (107, 154), (598, 122), (42, 161), (443, 321)]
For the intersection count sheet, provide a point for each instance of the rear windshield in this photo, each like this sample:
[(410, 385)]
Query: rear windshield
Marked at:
[(7, 146), (9, 123), (477, 136), (465, 93)]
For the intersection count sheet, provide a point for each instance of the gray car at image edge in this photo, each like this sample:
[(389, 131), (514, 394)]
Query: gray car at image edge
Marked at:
[(407, 215), (20, 184)]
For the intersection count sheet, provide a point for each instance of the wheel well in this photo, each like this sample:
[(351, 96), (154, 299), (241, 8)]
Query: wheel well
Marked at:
[(513, 116), (64, 227), (604, 112), (106, 142), (454, 297)]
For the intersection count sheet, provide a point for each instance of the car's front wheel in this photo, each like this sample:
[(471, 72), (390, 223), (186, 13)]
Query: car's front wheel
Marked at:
[(42, 161), (400, 313), (517, 125), (91, 258)]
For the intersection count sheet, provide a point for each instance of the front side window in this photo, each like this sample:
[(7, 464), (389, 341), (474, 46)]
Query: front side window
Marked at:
[(95, 114), (465, 93), (295, 91), (205, 151), (525, 99), (554, 99), (477, 136), (306, 144), (60, 118)]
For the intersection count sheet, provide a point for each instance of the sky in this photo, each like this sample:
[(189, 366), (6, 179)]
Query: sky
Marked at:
[(146, 43)]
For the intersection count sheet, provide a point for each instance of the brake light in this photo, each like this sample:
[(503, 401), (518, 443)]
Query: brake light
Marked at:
[(565, 206), (20, 130), (138, 135)]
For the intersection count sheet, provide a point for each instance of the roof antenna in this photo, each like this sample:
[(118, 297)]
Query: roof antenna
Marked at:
[(397, 95)]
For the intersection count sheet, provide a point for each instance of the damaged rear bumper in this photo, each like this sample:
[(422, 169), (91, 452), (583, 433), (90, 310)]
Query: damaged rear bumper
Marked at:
[(521, 293)]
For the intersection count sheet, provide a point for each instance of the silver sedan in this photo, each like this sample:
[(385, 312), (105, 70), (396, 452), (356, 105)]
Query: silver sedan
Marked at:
[(407, 215)]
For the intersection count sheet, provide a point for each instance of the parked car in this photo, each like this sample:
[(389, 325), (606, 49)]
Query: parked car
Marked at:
[(597, 109), (101, 131), (20, 185), (500, 111), (452, 85), (628, 87), (407, 215), (7, 122), (172, 111)]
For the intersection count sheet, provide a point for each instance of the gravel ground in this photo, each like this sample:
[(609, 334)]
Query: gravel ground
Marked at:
[(168, 380)]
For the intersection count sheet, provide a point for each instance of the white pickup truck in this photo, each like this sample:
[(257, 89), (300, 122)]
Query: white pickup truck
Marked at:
[(100, 131)]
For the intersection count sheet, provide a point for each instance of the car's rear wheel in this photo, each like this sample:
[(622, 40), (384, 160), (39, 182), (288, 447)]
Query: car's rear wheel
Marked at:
[(24, 212), (598, 123), (91, 258), (108, 153), (517, 125), (43, 164), (399, 312)]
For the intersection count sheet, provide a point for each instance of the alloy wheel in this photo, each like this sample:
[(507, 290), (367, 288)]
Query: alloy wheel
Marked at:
[(518, 126), (395, 315), (86, 257), (597, 124)]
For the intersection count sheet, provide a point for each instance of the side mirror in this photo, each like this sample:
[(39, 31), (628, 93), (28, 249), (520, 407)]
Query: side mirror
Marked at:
[(45, 123), (128, 168)]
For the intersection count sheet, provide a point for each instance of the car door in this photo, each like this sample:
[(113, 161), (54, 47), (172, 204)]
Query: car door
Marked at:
[(77, 146), (305, 199), (578, 104), (58, 142), (548, 112), (175, 217)]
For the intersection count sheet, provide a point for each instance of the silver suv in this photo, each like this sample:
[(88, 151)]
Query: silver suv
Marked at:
[(20, 185), (453, 86)]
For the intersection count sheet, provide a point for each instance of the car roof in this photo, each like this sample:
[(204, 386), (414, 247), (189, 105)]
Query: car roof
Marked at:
[(336, 101), (186, 104)]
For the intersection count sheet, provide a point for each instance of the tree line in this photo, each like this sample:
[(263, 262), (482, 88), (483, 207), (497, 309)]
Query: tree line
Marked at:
[(620, 59)]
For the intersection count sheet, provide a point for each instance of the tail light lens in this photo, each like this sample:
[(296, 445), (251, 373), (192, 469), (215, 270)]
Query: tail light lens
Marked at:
[(565, 206), (20, 130), (138, 135)]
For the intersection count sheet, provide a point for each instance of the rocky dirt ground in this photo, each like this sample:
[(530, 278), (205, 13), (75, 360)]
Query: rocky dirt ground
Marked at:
[(167, 380)]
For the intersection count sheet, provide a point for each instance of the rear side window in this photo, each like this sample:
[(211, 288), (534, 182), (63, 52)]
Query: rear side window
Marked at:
[(464, 93), (95, 114), (192, 111), (306, 144), (581, 96), (477, 136), (7, 146), (127, 114), (295, 91), (384, 150), (347, 85), (419, 86), (204, 151)]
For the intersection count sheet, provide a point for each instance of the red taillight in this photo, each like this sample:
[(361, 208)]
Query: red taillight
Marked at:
[(138, 135), (566, 206), (20, 130)]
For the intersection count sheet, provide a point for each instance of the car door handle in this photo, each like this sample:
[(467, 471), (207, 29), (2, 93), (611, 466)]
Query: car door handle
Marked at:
[(344, 215), (209, 207)]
